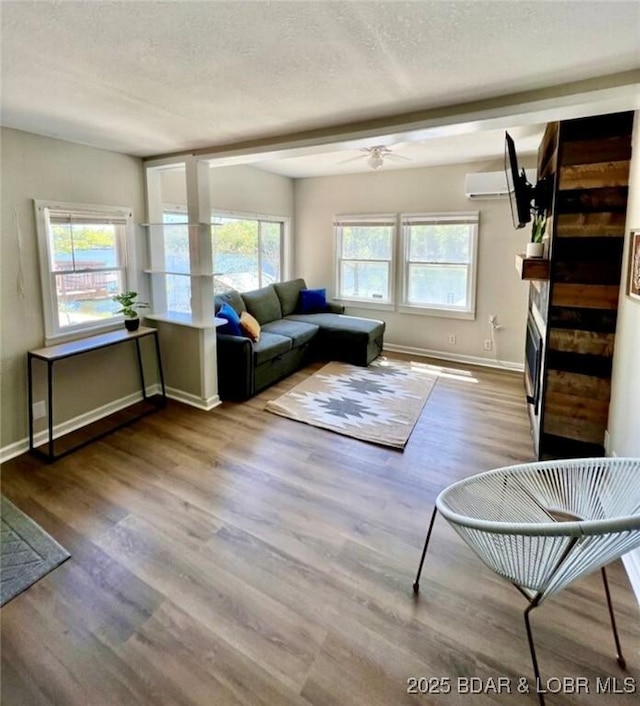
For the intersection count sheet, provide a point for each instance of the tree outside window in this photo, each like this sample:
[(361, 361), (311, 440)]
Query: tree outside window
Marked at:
[(247, 253)]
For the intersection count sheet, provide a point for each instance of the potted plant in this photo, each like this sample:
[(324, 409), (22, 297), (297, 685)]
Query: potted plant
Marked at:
[(127, 301), (536, 247)]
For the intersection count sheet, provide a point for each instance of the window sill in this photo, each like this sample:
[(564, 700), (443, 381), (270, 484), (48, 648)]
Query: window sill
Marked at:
[(439, 313), (359, 304)]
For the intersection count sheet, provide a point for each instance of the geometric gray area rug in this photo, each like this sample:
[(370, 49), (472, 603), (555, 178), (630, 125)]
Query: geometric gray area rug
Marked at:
[(27, 552), (379, 404)]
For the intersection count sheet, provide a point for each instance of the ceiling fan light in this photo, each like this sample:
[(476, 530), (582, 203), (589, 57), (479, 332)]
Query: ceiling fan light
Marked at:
[(375, 161)]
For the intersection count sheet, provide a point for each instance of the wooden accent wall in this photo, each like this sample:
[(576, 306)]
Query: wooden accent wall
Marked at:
[(588, 160)]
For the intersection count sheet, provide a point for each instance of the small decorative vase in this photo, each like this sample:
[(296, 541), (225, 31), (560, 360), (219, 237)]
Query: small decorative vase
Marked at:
[(535, 249), (132, 324)]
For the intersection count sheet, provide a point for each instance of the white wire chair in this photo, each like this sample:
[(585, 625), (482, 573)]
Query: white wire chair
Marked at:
[(544, 525)]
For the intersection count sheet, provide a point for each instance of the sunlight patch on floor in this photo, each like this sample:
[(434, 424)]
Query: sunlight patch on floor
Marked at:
[(438, 370)]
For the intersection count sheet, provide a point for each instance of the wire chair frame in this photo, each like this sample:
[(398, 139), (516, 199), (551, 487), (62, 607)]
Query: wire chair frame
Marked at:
[(544, 525)]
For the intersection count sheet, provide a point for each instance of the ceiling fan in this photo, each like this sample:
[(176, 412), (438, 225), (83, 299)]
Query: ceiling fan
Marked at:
[(375, 156)]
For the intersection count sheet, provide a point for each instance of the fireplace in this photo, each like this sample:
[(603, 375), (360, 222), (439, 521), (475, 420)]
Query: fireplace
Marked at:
[(533, 360)]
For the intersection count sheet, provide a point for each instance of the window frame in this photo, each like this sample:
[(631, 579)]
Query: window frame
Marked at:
[(126, 265), (379, 219), (260, 218), (471, 218), (159, 274)]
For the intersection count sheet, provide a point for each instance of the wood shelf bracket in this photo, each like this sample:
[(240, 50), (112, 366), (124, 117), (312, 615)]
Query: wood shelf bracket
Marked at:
[(531, 268)]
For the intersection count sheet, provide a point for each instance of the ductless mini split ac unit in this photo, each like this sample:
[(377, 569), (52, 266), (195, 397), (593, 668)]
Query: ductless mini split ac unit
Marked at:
[(491, 185)]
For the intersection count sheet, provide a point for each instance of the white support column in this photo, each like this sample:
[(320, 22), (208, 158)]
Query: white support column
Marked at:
[(209, 367), (201, 257), (200, 251), (188, 342)]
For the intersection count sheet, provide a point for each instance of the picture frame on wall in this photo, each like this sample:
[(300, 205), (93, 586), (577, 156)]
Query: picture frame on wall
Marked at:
[(633, 273)]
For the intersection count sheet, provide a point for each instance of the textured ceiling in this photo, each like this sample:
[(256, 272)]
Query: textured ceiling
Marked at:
[(147, 78)]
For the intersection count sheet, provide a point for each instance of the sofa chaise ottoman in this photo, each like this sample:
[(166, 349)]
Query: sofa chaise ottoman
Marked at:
[(288, 339)]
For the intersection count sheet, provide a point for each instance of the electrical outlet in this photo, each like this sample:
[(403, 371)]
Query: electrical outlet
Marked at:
[(452, 339), (487, 344), (39, 410)]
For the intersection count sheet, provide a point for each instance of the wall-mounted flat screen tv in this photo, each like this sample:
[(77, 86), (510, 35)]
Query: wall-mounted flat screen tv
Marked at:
[(520, 191)]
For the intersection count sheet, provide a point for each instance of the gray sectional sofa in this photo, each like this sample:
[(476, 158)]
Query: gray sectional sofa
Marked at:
[(288, 339)]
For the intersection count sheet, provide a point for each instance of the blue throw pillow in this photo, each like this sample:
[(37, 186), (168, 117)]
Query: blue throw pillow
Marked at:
[(232, 327), (313, 301)]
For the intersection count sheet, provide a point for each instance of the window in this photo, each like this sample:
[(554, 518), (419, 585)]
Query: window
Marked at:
[(83, 263), (439, 267), (364, 267), (175, 248), (247, 252)]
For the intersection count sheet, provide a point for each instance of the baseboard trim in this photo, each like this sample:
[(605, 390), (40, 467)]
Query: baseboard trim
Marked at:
[(12, 450), (205, 405), (82, 420), (456, 357), (19, 447)]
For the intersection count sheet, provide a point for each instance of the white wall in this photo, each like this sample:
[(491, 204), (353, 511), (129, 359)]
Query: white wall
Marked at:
[(624, 410), (35, 167), (500, 291), (624, 415), (242, 188)]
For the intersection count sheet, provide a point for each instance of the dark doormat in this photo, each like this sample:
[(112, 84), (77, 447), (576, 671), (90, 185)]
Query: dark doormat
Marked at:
[(27, 552)]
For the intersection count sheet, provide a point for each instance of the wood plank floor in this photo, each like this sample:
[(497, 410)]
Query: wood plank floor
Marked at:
[(236, 557)]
